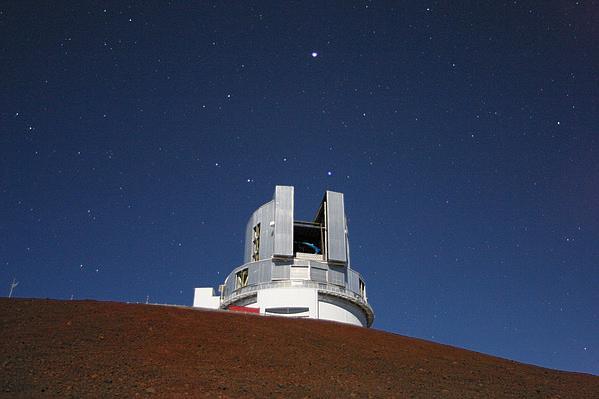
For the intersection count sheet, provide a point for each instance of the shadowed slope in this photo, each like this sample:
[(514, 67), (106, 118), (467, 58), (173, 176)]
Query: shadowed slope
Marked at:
[(104, 349)]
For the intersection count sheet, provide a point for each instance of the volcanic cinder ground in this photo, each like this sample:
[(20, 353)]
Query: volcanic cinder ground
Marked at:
[(103, 349)]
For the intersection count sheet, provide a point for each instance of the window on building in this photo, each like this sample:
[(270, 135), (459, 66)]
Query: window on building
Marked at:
[(362, 288), (307, 238), (241, 278), (256, 243)]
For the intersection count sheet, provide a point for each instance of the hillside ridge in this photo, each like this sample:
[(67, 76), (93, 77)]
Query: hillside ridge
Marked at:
[(52, 348)]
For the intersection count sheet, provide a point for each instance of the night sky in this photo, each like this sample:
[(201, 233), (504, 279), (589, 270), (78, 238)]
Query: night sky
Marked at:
[(136, 139)]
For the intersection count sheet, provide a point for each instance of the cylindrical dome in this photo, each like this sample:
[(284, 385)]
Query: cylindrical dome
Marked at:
[(297, 268)]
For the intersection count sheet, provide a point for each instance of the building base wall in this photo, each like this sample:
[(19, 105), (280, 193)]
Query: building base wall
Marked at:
[(306, 303), (337, 309), (291, 302)]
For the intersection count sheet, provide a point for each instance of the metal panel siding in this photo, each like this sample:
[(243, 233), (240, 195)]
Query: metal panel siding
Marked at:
[(230, 284), (265, 271), (353, 281), (337, 275), (318, 274), (280, 272), (299, 272), (347, 241), (336, 247), (259, 272), (253, 275), (283, 240), (263, 215), (247, 254), (267, 231)]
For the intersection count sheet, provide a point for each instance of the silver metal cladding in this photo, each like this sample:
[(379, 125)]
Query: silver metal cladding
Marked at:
[(283, 234), (318, 259), (335, 223)]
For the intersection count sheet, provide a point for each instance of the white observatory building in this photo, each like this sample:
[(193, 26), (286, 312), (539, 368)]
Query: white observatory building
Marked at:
[(295, 268)]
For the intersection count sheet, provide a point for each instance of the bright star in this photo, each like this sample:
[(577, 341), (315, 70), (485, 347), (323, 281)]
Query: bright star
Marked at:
[(314, 54)]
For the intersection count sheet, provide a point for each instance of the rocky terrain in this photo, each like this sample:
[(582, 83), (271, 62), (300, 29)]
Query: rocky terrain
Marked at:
[(103, 349)]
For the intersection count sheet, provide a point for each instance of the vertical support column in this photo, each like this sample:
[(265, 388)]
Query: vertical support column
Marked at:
[(335, 224), (283, 240)]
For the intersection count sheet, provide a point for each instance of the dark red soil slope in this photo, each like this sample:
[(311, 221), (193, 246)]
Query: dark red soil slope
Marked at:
[(103, 349)]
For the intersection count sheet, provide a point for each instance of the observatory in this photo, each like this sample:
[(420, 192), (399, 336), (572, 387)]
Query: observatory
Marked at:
[(295, 268)]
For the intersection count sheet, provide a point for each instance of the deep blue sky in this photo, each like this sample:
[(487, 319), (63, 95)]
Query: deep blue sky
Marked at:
[(136, 138)]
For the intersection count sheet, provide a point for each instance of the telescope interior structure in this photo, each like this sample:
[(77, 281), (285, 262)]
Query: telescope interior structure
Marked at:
[(295, 268)]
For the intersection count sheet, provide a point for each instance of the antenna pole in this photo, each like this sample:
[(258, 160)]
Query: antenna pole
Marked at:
[(13, 285)]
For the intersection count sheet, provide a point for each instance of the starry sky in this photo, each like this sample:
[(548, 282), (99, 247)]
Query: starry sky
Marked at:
[(136, 138)]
